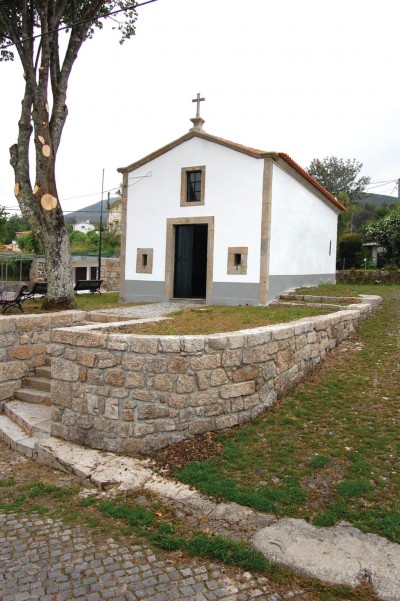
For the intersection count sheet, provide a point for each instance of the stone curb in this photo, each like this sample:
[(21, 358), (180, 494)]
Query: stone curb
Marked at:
[(338, 555)]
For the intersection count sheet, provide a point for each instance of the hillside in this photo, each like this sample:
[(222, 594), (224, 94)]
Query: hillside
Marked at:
[(90, 213), (377, 199)]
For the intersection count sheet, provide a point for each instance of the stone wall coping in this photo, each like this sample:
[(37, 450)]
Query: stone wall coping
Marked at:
[(98, 331)]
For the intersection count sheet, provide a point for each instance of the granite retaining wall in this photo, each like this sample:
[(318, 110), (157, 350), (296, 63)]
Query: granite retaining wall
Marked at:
[(136, 394), (25, 344)]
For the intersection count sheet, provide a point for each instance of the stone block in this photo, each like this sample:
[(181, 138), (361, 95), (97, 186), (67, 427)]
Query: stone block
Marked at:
[(177, 401), (96, 377), (119, 393), (251, 401), (170, 344), (206, 362), (230, 391), (215, 409), (200, 426), (89, 339), (61, 393), (204, 397), (203, 380), (235, 341), (163, 382), (128, 414), (185, 384), (226, 421), (258, 337), (177, 365), (218, 377), (237, 405), (143, 429), (8, 340), (62, 369), (25, 323), (193, 344), (151, 411), (135, 380), (84, 422), (165, 425), (284, 359), (156, 365), (231, 358), (187, 415), (111, 408), (246, 372), (159, 442), (7, 324), (134, 446), (217, 342), (12, 370), (117, 342), (115, 377), (100, 390), (144, 395), (132, 362), (105, 359), (95, 406), (283, 331), (143, 344), (8, 388)]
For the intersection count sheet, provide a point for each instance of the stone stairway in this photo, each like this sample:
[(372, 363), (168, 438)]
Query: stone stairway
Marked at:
[(26, 418)]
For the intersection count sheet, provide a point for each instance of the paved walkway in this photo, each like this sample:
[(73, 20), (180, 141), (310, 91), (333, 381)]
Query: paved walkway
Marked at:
[(43, 559)]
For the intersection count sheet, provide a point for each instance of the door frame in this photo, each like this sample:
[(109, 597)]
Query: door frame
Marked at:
[(170, 252)]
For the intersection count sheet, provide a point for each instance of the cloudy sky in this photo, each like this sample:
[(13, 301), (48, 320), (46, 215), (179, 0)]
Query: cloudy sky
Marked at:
[(311, 78)]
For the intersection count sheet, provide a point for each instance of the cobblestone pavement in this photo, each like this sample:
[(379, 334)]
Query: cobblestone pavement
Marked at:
[(150, 310), (45, 560)]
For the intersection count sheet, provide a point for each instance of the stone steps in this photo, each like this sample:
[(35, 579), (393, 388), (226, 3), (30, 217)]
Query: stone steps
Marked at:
[(33, 396), (35, 420), (26, 418)]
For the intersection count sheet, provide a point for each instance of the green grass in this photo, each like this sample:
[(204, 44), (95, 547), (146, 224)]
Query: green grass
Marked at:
[(124, 517), (330, 449)]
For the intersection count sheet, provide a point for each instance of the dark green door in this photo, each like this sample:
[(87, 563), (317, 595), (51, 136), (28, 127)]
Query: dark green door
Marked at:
[(190, 261)]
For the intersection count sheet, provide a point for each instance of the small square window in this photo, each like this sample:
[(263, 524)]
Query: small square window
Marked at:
[(144, 260), (237, 260), (193, 181)]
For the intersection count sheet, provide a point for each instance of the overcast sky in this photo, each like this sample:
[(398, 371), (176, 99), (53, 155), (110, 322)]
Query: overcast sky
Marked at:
[(310, 78)]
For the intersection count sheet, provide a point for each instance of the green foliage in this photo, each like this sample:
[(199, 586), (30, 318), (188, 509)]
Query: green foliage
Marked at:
[(318, 462), (208, 478), (339, 175), (89, 243), (29, 243), (349, 249), (9, 225), (386, 231)]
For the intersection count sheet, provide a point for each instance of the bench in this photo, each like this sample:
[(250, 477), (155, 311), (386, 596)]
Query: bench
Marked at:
[(37, 288), (13, 299), (88, 286)]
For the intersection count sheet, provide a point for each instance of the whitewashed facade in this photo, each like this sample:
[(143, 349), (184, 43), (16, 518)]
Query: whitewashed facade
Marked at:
[(255, 225)]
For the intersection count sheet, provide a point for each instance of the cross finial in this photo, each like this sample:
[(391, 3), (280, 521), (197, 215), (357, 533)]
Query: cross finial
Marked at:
[(197, 120), (198, 100)]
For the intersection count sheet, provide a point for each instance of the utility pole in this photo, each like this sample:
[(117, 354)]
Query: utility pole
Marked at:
[(101, 226)]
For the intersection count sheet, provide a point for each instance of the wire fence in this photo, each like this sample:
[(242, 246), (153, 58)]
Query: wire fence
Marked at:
[(14, 269)]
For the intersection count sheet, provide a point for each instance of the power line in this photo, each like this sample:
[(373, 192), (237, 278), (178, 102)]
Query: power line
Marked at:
[(114, 12)]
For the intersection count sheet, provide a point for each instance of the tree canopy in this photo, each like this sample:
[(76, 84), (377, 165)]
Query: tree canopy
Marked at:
[(32, 30), (386, 231), (339, 176)]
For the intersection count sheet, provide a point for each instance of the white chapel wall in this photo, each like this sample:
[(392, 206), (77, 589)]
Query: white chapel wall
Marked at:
[(233, 190), (303, 229)]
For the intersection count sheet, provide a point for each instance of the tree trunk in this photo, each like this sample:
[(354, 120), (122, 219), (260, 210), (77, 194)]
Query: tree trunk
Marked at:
[(58, 267)]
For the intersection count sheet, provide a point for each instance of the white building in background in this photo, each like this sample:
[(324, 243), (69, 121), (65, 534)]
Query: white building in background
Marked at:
[(209, 218), (83, 226)]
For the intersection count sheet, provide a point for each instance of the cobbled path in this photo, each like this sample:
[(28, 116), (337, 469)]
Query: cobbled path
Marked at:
[(150, 310), (45, 560)]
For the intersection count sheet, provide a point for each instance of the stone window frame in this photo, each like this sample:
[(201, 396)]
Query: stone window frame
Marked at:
[(184, 172), (144, 265), (233, 268)]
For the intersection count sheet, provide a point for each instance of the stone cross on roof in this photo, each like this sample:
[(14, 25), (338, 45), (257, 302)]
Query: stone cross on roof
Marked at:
[(197, 121)]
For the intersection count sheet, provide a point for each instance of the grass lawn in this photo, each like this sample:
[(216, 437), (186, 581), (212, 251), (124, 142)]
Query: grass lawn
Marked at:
[(213, 319), (84, 302), (330, 449)]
